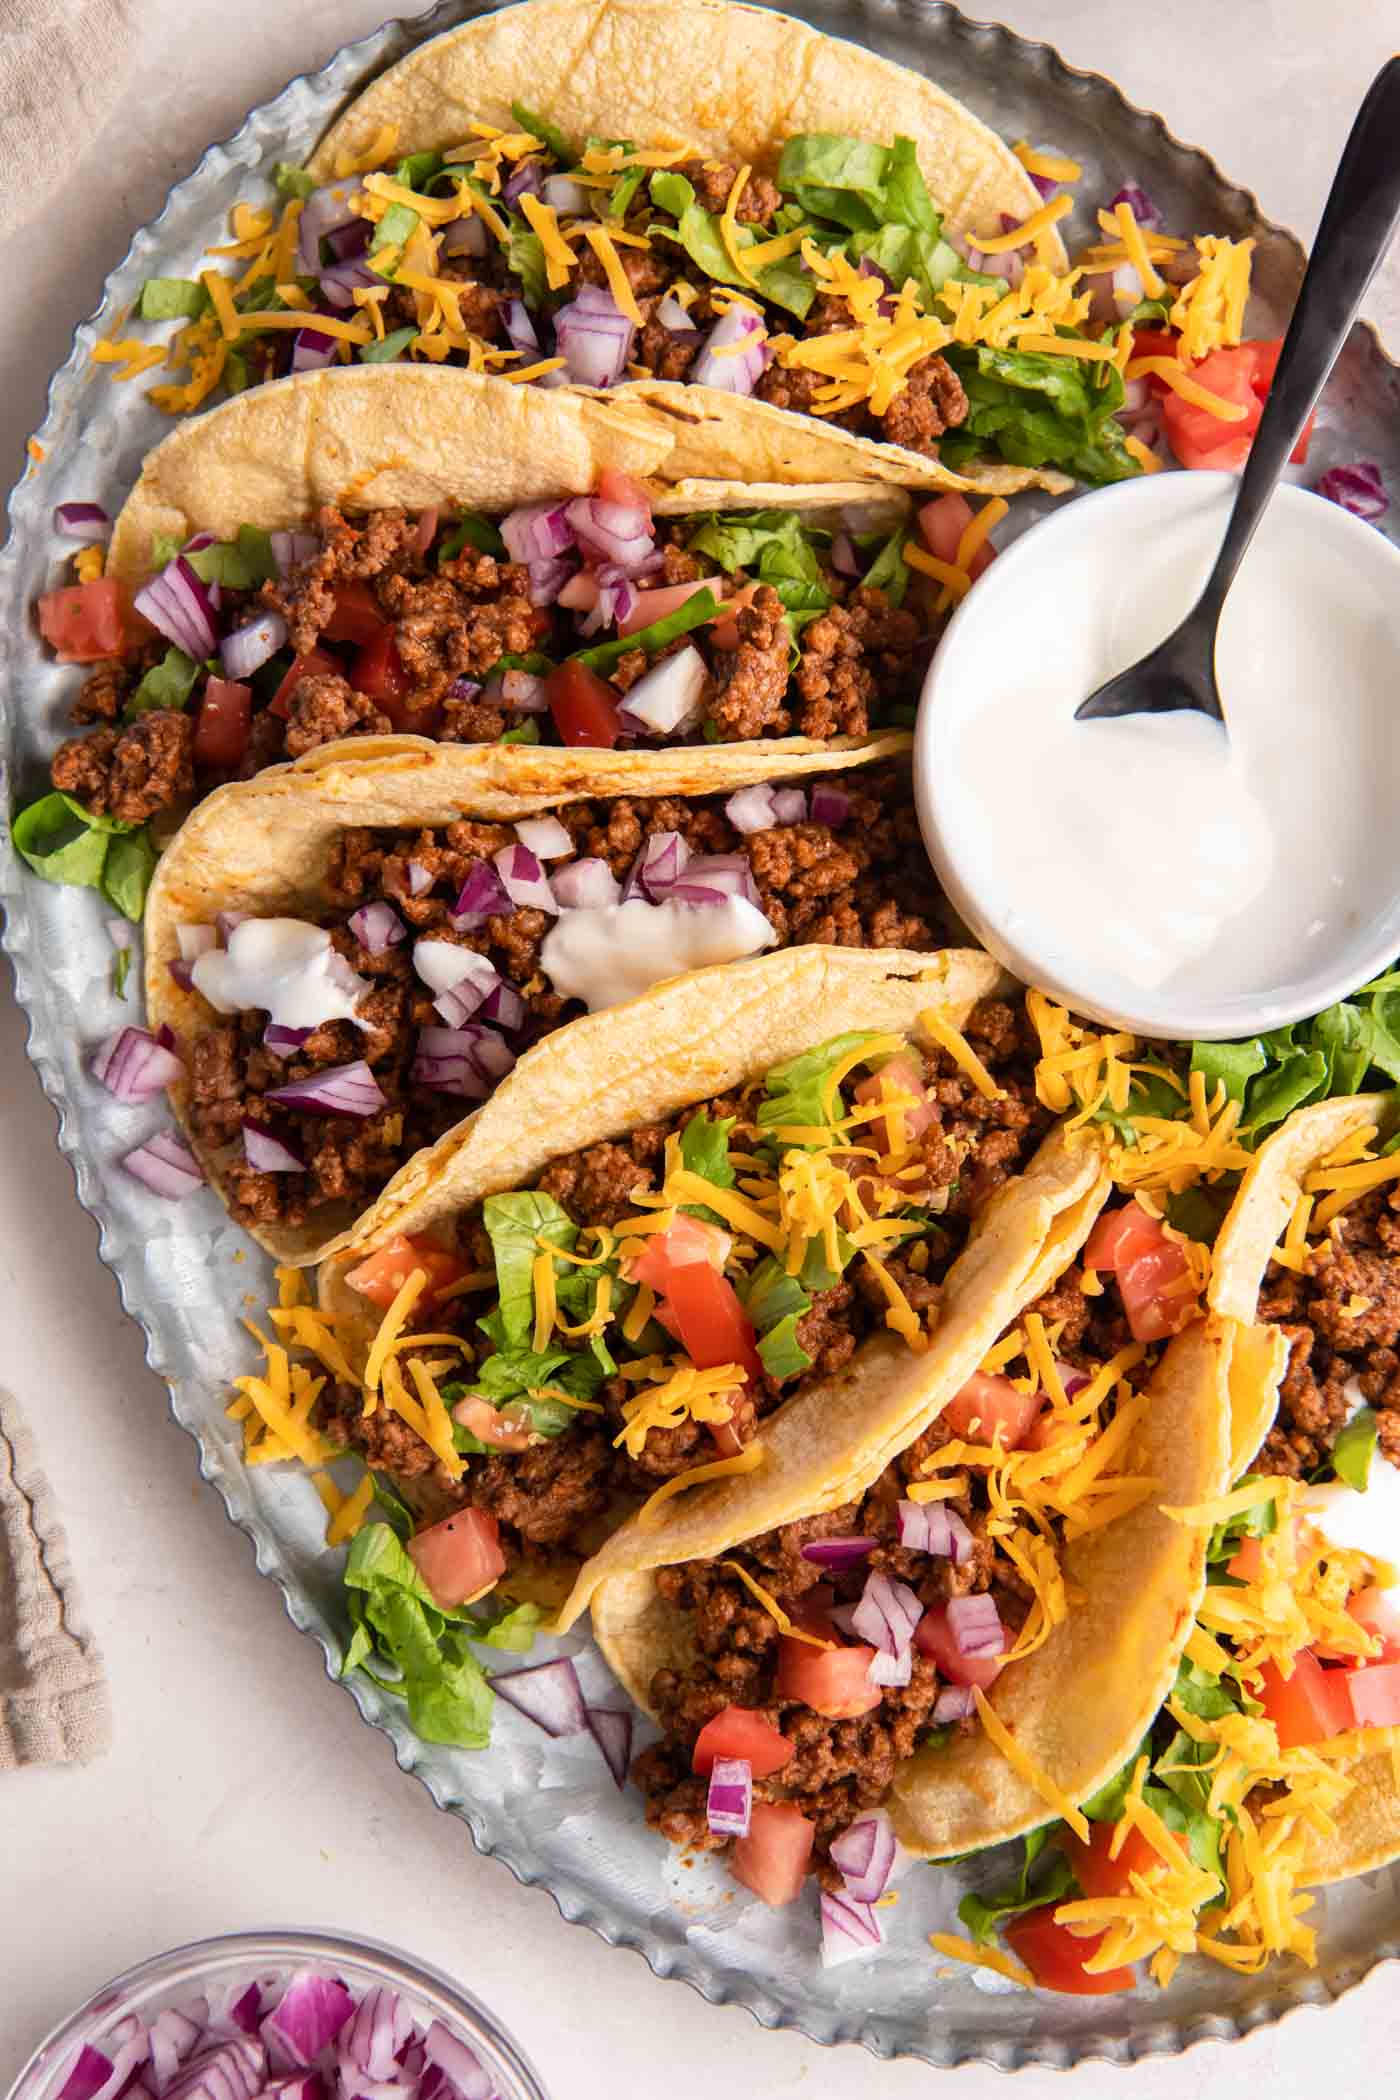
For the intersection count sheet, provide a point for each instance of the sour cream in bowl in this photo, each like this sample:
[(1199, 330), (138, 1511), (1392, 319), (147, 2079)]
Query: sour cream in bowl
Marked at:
[(1152, 872)]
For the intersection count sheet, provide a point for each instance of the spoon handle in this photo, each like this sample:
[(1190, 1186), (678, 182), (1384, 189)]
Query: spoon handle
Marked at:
[(1357, 225)]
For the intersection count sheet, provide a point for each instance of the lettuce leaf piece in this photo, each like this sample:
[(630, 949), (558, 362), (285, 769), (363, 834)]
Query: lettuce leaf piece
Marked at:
[(982, 1914), (698, 608), (121, 970), (414, 172), (793, 1090), (291, 181), (771, 1295), (515, 1630), (541, 128), (1201, 1693), (528, 732), (629, 180), (786, 283), (776, 547), (903, 252), (705, 1148), (525, 260), (780, 1352), (65, 843), (834, 177), (399, 223), (1232, 1065), (1040, 411), (127, 871), (239, 564), (671, 192), (1256, 1521), (1354, 1449), (167, 684), (889, 572), (472, 529), (515, 1223), (384, 352), (1188, 1815), (1106, 1806), (172, 299)]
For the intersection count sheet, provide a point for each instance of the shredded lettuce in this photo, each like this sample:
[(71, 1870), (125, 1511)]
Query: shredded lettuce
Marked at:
[(889, 572), (172, 299), (291, 181), (239, 564), (982, 1914), (1354, 1449), (786, 283), (525, 258), (516, 1223), (399, 223), (699, 607), (390, 347), (776, 547), (541, 128), (1040, 411), (65, 843), (167, 684), (793, 1091), (472, 529)]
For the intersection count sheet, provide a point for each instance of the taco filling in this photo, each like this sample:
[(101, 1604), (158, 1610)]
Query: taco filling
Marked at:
[(354, 1039), (581, 623)]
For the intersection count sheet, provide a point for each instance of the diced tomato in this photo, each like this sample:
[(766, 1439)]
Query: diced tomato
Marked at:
[(1247, 1561), (460, 1558), (738, 1731), (1156, 342), (986, 1404), (616, 487), (1096, 1873), (1310, 1706), (315, 661), (580, 593), (1151, 1269), (943, 523), (899, 1075), (378, 670), (222, 725), (584, 706), (1055, 1956), (934, 1637), (712, 1325), (490, 1425), (1375, 1610), (1244, 376), (83, 622), (688, 1240), (383, 1274), (660, 604), (772, 1859), (724, 628), (1266, 351), (357, 617), (832, 1681), (1374, 1693)]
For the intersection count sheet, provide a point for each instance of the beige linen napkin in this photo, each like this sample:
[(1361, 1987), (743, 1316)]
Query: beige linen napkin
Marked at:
[(53, 1691), (62, 65)]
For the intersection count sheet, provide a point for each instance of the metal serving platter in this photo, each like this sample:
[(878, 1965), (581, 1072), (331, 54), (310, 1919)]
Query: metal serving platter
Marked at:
[(549, 1810)]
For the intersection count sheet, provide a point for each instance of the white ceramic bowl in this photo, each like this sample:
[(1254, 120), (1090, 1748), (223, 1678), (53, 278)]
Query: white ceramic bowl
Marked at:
[(1086, 552)]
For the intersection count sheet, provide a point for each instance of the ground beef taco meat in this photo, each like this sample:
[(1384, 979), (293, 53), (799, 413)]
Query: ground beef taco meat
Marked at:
[(858, 879)]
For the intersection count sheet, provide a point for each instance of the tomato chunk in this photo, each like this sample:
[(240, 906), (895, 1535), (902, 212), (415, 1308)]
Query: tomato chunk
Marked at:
[(616, 487), (316, 661), (688, 1240), (383, 1274), (83, 622), (1096, 1873), (660, 604), (988, 1403), (1377, 1611), (899, 1076), (1374, 1693), (1152, 1271), (724, 628), (488, 1423), (584, 706), (1120, 1236), (739, 1731), (772, 1859), (356, 618), (711, 1323), (832, 1681), (378, 670), (1242, 375), (1310, 1706), (1055, 1956), (934, 1637), (222, 725), (460, 1558), (943, 523)]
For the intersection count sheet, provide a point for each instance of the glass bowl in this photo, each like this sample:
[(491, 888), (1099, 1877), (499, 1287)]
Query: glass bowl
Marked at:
[(243, 1957)]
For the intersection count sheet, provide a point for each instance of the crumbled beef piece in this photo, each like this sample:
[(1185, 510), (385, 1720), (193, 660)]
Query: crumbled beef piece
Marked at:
[(104, 690), (647, 270), (825, 1334), (546, 1493), (267, 743), (597, 1185), (791, 386), (383, 1438), (751, 681), (931, 401), (679, 567), (325, 706), (443, 634), (468, 722), (479, 305), (667, 352), (713, 180), (630, 666), (358, 552), (130, 773)]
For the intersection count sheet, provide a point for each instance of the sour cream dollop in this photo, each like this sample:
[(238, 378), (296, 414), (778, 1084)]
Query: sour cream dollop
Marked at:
[(606, 953), (1368, 1523), (284, 967)]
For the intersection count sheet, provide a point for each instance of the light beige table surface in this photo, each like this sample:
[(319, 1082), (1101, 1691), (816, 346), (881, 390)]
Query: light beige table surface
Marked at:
[(242, 1790)]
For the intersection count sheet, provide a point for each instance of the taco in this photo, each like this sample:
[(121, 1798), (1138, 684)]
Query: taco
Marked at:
[(350, 957), (690, 1250), (279, 626)]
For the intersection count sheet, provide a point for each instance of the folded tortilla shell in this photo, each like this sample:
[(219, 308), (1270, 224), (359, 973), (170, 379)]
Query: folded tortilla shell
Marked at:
[(263, 846)]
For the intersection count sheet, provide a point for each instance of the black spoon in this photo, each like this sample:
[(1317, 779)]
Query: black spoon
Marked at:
[(1356, 230)]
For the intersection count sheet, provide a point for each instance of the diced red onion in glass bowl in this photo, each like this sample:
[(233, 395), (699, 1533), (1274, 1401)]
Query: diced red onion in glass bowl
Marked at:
[(669, 697), (166, 1165), (134, 1066), (339, 1090), (729, 1800), (523, 879), (584, 884), (975, 1624), (1357, 488), (377, 927), (86, 522), (267, 1153), (849, 1929)]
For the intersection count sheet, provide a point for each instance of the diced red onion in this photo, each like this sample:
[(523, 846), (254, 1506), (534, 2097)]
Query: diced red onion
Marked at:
[(290, 549), (443, 965), (669, 698), (975, 1624), (525, 179), (312, 349), (594, 337), (419, 877), (710, 880), (671, 314), (183, 974), (1139, 204), (566, 196), (519, 327), (227, 921), (340, 1090), (266, 1153), (537, 531), (1011, 267), (612, 1732), (523, 879), (378, 2028), (377, 927), (1136, 396), (657, 866), (618, 533), (887, 1614), (248, 648), (790, 805), (865, 1856), (178, 605), (1072, 1378), (132, 1065), (460, 1001), (171, 2037), (91, 2071), (348, 243), (545, 837), (844, 558), (1127, 286), (725, 366), (845, 1552), (849, 1929), (87, 522), (830, 806), (885, 1670), (954, 1703), (729, 1801), (232, 2070), (504, 1005), (481, 897), (1358, 488), (444, 1063), (841, 1617), (584, 885), (340, 282), (751, 809), (465, 236), (166, 1165), (458, 2063), (310, 2014), (196, 941), (549, 1694), (282, 1042), (524, 691), (932, 1527), (325, 211)]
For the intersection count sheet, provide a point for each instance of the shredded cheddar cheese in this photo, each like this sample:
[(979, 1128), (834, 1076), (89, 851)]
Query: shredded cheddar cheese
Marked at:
[(774, 1610), (746, 1461)]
